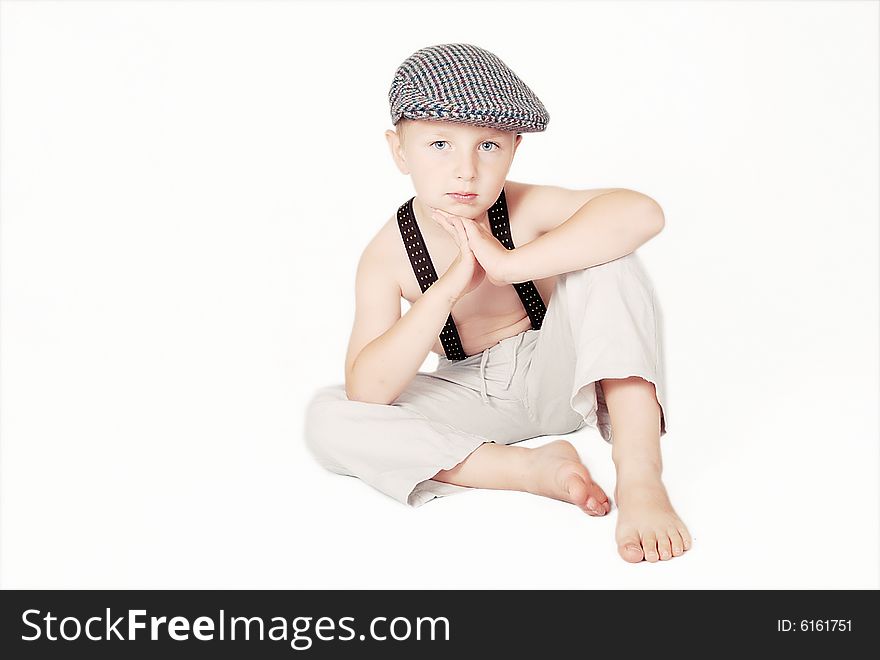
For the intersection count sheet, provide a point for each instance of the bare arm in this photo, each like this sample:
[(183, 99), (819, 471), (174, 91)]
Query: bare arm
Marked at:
[(386, 350), (605, 228)]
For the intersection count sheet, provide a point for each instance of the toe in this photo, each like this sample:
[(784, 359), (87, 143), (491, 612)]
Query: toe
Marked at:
[(631, 549), (664, 546), (593, 508), (675, 542), (579, 492), (599, 498), (594, 501), (649, 544), (685, 537)]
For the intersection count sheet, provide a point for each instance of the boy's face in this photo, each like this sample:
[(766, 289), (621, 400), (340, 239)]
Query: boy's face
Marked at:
[(444, 157)]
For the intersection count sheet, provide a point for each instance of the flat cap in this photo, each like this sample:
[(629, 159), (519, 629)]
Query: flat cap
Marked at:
[(466, 84)]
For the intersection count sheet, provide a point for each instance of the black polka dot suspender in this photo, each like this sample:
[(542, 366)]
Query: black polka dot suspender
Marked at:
[(423, 268), (527, 291), (425, 274)]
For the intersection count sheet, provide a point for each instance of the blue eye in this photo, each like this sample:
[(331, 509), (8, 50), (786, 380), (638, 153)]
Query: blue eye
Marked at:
[(481, 144)]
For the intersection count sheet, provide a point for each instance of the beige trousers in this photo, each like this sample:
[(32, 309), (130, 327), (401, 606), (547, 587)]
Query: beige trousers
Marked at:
[(602, 322)]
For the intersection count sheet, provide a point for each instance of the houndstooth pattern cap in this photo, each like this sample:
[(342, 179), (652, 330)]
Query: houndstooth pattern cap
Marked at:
[(467, 84)]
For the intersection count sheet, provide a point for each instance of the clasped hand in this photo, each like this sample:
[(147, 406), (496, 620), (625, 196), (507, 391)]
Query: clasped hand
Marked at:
[(488, 251)]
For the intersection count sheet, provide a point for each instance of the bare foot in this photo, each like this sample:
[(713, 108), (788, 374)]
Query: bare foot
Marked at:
[(647, 526), (557, 472)]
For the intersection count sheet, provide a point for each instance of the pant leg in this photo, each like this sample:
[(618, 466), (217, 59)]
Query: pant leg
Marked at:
[(602, 322), (433, 425)]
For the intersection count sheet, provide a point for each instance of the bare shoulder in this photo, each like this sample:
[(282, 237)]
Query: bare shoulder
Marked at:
[(382, 252), (546, 207)]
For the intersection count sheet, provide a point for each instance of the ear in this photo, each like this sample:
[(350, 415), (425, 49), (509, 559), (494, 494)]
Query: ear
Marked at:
[(396, 151), (516, 142)]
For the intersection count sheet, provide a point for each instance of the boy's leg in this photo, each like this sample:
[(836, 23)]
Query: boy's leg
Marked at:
[(602, 322), (393, 448), (469, 409), (647, 527), (450, 431), (604, 330), (552, 470)]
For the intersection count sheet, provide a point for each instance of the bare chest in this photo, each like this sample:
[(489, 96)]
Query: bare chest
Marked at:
[(489, 313)]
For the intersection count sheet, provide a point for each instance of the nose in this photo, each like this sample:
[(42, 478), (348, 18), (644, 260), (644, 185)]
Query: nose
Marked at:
[(466, 167)]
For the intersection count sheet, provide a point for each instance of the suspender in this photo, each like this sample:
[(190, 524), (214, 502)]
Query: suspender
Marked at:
[(527, 291), (425, 274), (423, 267)]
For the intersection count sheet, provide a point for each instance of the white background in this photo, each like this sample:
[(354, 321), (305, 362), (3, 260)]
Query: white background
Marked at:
[(187, 187)]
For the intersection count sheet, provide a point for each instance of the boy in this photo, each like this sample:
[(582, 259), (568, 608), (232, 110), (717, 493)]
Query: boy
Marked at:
[(542, 316)]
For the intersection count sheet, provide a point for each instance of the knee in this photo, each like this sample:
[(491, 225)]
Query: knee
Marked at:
[(625, 275), (624, 266), (324, 426)]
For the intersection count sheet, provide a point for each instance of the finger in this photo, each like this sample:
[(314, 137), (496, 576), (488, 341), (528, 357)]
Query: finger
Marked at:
[(469, 228), (447, 227), (440, 221), (458, 235), (456, 222), (449, 230), (462, 234)]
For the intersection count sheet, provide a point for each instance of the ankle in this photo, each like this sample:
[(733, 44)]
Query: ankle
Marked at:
[(514, 467), (528, 469), (638, 470)]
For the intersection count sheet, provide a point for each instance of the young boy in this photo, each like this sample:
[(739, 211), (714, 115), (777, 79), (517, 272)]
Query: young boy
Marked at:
[(542, 316)]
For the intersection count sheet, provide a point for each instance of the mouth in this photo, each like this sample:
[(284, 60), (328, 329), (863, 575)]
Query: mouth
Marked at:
[(462, 197)]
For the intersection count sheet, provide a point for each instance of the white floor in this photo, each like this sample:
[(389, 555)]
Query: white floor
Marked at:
[(236, 506)]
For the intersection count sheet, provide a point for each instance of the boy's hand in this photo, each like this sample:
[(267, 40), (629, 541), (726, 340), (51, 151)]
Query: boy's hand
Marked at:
[(493, 257), (465, 273)]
